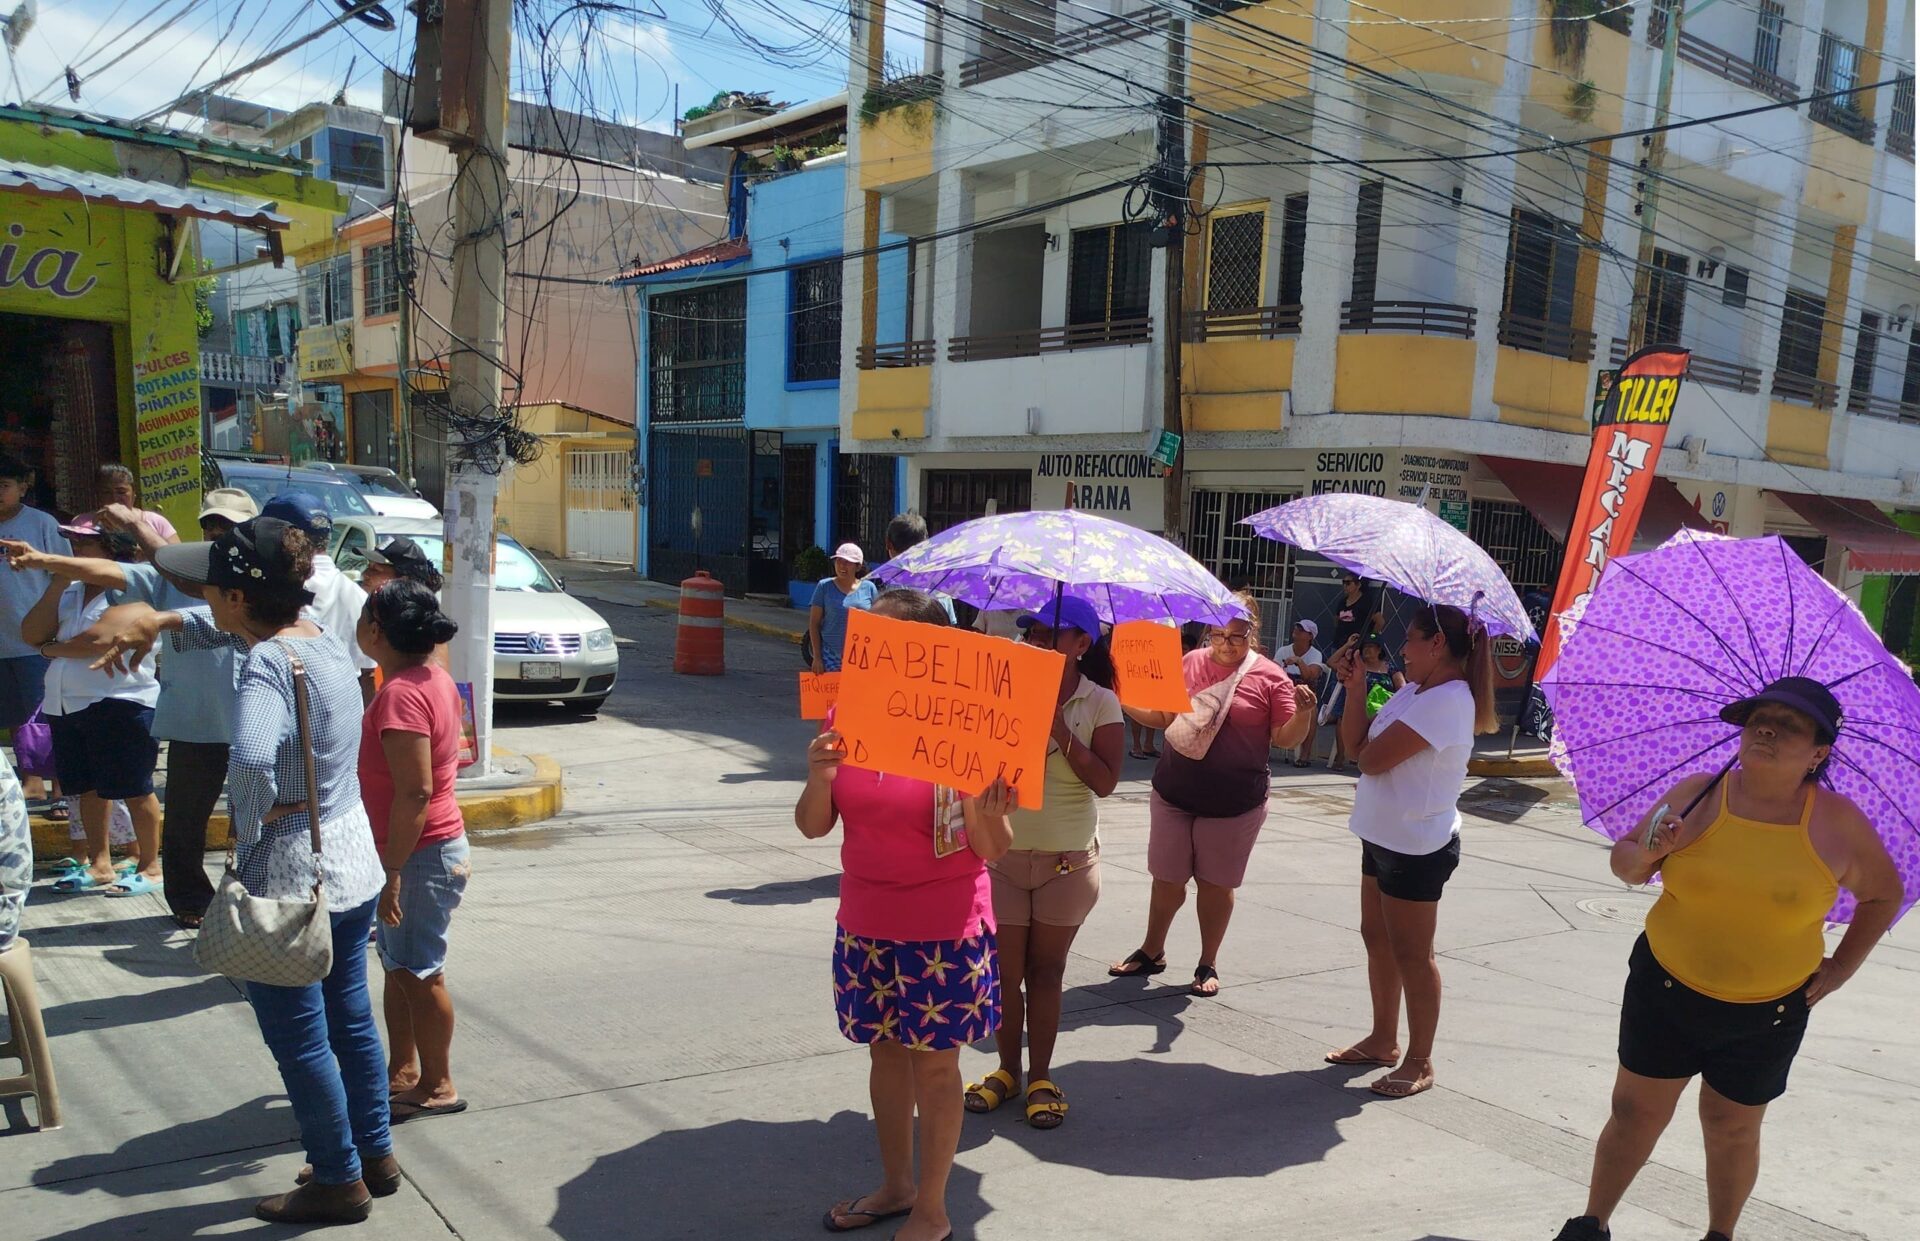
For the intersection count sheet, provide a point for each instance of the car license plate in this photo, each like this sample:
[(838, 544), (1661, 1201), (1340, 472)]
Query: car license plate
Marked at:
[(530, 671)]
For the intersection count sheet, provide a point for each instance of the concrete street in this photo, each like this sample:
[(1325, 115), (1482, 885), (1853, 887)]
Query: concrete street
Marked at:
[(649, 1047)]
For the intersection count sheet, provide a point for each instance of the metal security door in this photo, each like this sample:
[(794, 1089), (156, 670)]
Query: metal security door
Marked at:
[(600, 517)]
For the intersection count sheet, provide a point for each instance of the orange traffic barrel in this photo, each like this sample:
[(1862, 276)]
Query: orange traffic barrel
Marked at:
[(699, 647)]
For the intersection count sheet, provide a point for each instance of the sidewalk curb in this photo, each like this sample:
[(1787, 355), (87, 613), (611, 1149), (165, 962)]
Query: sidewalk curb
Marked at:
[(1513, 768), (737, 622), (540, 798)]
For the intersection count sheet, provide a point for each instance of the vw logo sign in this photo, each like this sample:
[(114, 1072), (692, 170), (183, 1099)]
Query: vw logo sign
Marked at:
[(537, 644)]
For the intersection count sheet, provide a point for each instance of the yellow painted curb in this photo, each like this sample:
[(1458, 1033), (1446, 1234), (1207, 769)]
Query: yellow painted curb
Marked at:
[(1513, 768), (485, 810), (751, 626)]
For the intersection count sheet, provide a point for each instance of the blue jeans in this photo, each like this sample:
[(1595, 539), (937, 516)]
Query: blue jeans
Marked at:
[(331, 1057)]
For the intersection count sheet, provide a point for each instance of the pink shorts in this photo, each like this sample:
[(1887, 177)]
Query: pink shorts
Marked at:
[(1182, 846)]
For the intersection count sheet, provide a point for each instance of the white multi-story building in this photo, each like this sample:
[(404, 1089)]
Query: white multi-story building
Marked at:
[(1410, 262)]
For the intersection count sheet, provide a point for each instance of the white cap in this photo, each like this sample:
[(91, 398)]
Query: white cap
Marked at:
[(1312, 627), (851, 553)]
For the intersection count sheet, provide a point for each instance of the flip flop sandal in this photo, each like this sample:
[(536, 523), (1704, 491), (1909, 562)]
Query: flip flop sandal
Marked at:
[(1202, 974), (992, 1090), (67, 865), (853, 1211), (59, 814), (420, 1111), (1348, 1056), (79, 881), (1397, 1088), (135, 884), (1143, 965), (1049, 1113)]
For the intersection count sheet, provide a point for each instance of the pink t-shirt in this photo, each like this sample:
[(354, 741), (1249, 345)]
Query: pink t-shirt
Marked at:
[(159, 525), (1232, 778), (893, 887), (419, 700)]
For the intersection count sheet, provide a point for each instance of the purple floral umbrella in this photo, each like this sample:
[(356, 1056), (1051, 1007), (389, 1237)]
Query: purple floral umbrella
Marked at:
[(1404, 546), (1672, 635), (1027, 560)]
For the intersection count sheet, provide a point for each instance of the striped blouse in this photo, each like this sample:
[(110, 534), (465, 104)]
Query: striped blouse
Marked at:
[(266, 768)]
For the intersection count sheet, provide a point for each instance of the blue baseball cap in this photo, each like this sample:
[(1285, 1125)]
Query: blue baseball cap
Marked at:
[(303, 511), (1073, 614)]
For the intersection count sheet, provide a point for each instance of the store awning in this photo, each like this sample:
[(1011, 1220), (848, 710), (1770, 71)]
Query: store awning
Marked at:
[(1550, 491), (44, 181), (1876, 543)]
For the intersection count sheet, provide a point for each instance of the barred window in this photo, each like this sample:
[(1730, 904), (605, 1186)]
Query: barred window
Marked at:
[(814, 325), (696, 354), (382, 281), (327, 291), (1236, 259), (1803, 322), (1109, 273)]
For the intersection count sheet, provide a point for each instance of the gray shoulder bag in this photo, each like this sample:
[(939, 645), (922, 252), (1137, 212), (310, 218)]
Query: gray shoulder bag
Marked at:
[(259, 939)]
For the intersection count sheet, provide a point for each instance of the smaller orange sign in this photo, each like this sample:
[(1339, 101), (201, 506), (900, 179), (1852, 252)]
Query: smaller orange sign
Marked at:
[(818, 692), (1146, 667), (948, 706)]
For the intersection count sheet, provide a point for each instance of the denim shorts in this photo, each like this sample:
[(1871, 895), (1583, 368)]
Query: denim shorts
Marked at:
[(431, 885)]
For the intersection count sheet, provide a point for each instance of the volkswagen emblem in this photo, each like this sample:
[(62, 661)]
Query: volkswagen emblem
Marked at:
[(536, 644)]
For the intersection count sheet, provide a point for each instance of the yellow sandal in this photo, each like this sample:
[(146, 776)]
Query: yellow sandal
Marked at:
[(993, 1090), (1056, 1108)]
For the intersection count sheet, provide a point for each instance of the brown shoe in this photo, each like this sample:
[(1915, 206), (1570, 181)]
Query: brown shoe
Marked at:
[(381, 1176), (317, 1204)]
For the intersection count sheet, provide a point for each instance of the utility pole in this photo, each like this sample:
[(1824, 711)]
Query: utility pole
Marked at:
[(1650, 170), (1170, 183), (473, 120)]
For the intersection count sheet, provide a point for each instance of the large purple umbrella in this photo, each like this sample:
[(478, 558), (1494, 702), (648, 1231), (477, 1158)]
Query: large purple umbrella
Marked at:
[(1404, 546), (1025, 560), (1672, 635)]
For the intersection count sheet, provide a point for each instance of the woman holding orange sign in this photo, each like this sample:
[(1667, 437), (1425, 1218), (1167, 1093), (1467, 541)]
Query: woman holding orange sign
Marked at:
[(916, 971), (1048, 882)]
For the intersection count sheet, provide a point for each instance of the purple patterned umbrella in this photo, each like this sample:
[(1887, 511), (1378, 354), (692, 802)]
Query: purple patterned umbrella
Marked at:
[(1404, 546), (1025, 560), (1672, 635)]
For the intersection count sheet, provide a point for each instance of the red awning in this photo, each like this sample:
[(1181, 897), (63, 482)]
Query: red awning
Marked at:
[(1550, 491), (1877, 544)]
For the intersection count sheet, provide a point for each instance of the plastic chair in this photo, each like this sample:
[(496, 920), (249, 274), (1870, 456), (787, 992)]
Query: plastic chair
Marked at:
[(27, 1037)]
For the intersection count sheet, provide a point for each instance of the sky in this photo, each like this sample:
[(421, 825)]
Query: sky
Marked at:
[(621, 62)]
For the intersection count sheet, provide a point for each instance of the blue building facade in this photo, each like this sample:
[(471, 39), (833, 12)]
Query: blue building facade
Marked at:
[(740, 347)]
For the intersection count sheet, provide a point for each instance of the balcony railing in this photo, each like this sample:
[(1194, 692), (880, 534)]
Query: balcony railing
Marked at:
[(1710, 371), (1036, 341), (1003, 62), (1419, 318), (231, 369), (1617, 18), (1805, 390), (1900, 124), (1558, 340), (1837, 116), (1883, 407), (889, 357), (1262, 323), (1717, 60)]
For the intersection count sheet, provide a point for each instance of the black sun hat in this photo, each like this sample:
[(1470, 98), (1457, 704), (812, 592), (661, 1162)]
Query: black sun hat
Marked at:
[(1803, 694)]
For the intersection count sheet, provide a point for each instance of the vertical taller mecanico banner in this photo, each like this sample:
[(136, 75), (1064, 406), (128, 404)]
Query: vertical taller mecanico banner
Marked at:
[(1626, 445)]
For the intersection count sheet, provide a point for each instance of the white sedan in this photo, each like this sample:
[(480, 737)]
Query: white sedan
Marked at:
[(547, 645)]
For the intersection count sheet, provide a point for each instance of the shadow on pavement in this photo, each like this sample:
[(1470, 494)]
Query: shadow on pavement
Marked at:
[(1167, 1121), (109, 1012), (235, 1143), (781, 1176), (782, 892), (173, 1222)]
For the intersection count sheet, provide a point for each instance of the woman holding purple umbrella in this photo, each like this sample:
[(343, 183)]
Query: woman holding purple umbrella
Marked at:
[(1733, 957)]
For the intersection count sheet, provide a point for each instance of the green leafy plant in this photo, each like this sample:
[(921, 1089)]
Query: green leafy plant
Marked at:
[(901, 92), (1572, 19), (811, 565), (203, 291), (1581, 97)]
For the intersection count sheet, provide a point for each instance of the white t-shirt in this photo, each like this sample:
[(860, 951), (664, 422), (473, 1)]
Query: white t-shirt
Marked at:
[(71, 684), (1415, 808), (337, 601), (1291, 661)]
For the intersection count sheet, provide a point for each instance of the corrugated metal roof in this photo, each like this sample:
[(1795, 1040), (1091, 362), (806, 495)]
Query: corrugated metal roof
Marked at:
[(729, 251), (154, 196), (145, 132)]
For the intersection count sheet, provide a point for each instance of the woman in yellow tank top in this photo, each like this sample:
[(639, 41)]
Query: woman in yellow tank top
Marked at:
[(1734, 954)]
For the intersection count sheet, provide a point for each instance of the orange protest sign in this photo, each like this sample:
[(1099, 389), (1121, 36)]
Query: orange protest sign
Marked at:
[(947, 705), (1146, 666), (818, 690)]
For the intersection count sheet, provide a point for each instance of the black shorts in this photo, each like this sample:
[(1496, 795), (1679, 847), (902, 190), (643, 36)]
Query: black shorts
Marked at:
[(1669, 1030), (1410, 876), (106, 749)]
